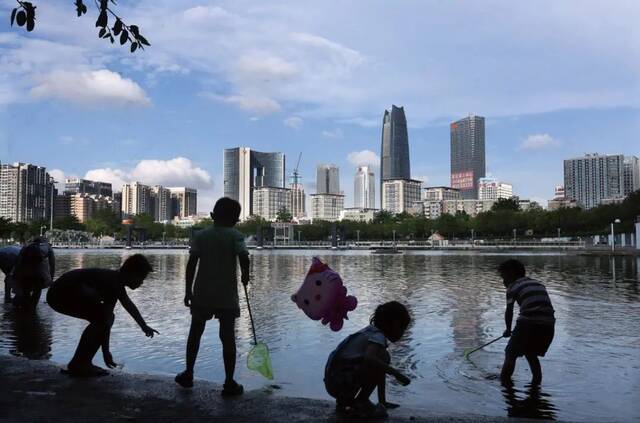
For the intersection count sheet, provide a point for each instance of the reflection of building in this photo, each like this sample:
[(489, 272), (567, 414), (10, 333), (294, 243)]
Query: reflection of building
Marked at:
[(269, 201), (492, 189), (593, 178), (467, 155), (327, 179), (85, 186), (364, 189), (245, 169), (394, 155), (399, 195), (26, 192), (184, 201), (327, 206), (358, 214), (136, 199)]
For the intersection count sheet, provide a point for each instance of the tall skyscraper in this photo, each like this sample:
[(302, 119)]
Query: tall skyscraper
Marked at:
[(631, 174), (162, 206), (394, 155), (327, 206), (467, 155), (399, 195), (327, 179), (593, 178), (269, 201), (26, 192), (245, 169), (136, 199), (364, 189)]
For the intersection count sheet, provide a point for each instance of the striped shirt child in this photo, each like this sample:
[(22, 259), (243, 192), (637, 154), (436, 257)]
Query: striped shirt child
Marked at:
[(535, 304)]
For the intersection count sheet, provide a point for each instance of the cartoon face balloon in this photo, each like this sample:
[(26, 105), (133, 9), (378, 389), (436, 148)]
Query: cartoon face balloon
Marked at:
[(324, 296)]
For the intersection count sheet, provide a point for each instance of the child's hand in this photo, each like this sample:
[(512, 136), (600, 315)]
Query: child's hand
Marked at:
[(149, 331), (108, 360), (402, 379), (187, 300), (506, 333), (245, 279)]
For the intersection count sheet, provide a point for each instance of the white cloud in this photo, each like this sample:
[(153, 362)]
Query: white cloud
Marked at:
[(260, 66), (89, 87), (539, 142), (117, 177), (364, 158), (334, 134), (179, 171), (294, 122), (59, 176), (259, 105)]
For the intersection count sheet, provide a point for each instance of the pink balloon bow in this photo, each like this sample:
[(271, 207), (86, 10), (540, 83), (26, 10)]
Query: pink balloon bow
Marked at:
[(324, 296)]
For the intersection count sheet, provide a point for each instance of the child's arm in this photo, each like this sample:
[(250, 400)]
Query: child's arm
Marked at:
[(133, 312), (508, 318), (191, 273), (245, 263), (372, 357)]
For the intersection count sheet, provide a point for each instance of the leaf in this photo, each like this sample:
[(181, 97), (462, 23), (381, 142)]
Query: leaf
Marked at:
[(104, 4), (102, 19), (21, 18), (84, 8), (111, 38), (134, 30), (117, 27), (143, 40), (124, 37), (13, 15), (30, 24), (102, 32), (134, 46)]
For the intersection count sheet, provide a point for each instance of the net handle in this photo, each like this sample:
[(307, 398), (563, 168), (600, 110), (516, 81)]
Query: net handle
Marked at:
[(253, 328)]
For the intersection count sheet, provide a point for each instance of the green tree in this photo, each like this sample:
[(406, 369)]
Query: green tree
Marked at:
[(506, 204), (70, 222), (284, 215)]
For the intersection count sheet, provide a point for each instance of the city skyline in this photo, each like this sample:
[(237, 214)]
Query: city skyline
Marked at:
[(318, 86)]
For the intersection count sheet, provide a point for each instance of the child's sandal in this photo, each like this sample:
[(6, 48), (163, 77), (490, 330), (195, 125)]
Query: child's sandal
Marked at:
[(232, 389), (184, 379)]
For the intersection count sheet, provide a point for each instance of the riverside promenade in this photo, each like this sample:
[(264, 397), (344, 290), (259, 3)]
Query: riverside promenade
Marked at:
[(36, 391)]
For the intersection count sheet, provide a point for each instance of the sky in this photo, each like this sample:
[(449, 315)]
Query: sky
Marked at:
[(554, 80)]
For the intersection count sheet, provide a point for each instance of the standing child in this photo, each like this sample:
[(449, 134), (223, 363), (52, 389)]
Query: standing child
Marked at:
[(92, 294), (360, 363), (534, 329), (8, 259), (216, 252)]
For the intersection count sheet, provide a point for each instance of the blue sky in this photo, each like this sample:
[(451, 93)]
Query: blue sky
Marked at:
[(553, 79)]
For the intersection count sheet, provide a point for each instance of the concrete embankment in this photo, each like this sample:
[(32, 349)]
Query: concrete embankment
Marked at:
[(36, 391)]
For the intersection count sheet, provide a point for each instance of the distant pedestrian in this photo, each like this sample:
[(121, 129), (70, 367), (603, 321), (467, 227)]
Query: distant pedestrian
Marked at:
[(8, 259), (534, 328), (34, 271), (92, 294), (360, 363), (216, 252)]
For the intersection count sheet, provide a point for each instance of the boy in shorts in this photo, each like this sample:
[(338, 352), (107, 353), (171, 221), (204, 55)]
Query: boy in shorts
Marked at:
[(534, 329), (216, 252)]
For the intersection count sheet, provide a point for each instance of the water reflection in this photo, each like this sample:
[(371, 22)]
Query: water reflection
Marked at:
[(30, 334), (530, 403)]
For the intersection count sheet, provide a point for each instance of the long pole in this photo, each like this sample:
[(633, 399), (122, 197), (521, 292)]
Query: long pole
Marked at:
[(253, 328), (51, 212), (466, 354), (613, 239)]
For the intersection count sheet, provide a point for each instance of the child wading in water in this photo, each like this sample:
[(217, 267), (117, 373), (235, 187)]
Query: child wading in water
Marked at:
[(534, 329), (91, 294), (360, 363), (216, 252)]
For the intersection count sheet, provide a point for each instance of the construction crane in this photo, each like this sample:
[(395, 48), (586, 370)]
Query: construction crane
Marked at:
[(295, 176)]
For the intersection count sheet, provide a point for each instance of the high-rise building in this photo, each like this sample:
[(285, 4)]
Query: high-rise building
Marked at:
[(117, 203), (245, 169), (467, 155), (26, 192), (327, 179), (327, 206), (394, 154), (591, 179), (631, 174), (162, 207), (470, 207), (493, 189), (136, 199), (364, 189), (184, 202), (269, 201), (85, 186), (400, 195)]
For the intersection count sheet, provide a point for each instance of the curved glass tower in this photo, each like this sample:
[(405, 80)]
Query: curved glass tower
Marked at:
[(394, 163), (245, 169)]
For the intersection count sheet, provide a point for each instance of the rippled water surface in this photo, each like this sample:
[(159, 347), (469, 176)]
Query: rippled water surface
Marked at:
[(591, 373)]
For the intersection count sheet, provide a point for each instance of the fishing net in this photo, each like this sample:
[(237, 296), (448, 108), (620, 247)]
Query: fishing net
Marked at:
[(258, 360)]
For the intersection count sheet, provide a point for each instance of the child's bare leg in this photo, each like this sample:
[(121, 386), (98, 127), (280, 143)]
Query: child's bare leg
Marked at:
[(90, 341), (372, 378), (228, 338), (193, 343), (7, 291), (536, 369), (507, 369)]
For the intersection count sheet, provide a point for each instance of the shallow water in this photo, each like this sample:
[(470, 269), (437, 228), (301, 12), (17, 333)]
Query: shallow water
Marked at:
[(591, 373)]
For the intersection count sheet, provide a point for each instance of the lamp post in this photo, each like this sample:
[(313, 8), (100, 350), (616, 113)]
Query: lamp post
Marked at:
[(514, 236), (613, 235), (299, 242), (394, 237), (558, 234), (41, 228), (358, 236), (53, 184), (473, 234)]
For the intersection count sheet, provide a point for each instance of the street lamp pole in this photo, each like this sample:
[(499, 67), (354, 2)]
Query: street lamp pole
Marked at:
[(53, 182), (613, 236), (358, 236), (394, 237), (299, 242), (558, 234), (514, 235)]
